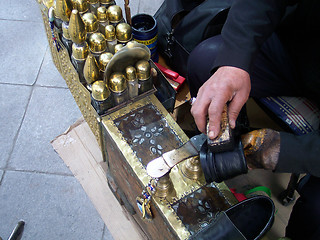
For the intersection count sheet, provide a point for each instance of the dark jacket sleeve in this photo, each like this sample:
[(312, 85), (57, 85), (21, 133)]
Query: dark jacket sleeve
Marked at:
[(249, 24), (299, 154)]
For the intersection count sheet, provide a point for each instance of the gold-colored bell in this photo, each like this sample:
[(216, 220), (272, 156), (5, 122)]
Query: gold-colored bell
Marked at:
[(91, 22), (80, 51), (63, 9), (104, 59), (118, 47), (117, 82), (97, 43), (123, 32), (115, 14), (77, 29), (191, 168), (143, 70), (81, 5), (91, 69), (164, 186), (100, 91)]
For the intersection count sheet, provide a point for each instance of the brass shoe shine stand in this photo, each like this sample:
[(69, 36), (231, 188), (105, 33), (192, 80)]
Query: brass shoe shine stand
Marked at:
[(134, 131)]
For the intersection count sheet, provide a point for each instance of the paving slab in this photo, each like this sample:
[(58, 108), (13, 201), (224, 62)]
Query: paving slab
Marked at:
[(53, 207), (26, 10), (13, 102), (49, 75), (50, 112), (21, 51)]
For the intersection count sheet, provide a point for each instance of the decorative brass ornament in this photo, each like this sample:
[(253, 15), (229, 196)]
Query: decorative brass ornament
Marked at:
[(110, 32), (118, 47), (191, 168), (77, 29), (91, 22), (115, 14), (80, 51), (81, 5), (123, 32), (91, 70), (117, 82), (63, 9), (100, 91), (104, 59), (97, 43), (102, 14), (131, 73), (164, 187), (143, 70)]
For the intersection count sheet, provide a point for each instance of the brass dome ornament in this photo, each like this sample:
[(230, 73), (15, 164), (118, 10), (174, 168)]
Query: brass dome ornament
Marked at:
[(77, 29), (132, 80), (118, 47), (91, 23), (78, 58), (118, 86), (115, 15), (111, 39), (102, 19), (123, 32), (100, 91), (97, 43), (81, 5), (104, 59), (90, 70), (107, 3), (144, 76)]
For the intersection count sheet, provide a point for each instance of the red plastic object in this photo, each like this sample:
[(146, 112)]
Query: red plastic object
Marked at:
[(239, 196), (167, 72)]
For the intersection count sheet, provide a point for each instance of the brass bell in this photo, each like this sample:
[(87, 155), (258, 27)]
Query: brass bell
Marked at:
[(63, 9), (97, 43), (115, 14), (100, 91), (123, 32), (91, 22), (164, 186), (81, 5), (77, 29), (191, 168)]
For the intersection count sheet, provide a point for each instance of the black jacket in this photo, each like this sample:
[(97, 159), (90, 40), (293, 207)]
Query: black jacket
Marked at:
[(249, 24)]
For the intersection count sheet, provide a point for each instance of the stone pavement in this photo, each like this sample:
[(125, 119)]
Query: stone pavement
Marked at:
[(36, 106)]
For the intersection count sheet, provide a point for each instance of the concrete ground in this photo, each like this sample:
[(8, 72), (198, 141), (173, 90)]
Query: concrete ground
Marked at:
[(36, 106)]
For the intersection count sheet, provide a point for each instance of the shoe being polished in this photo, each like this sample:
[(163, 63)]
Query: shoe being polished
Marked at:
[(249, 219)]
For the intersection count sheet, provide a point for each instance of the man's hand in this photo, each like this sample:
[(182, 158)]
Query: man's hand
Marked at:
[(227, 84)]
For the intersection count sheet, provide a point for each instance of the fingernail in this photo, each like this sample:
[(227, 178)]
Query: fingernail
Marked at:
[(211, 134)]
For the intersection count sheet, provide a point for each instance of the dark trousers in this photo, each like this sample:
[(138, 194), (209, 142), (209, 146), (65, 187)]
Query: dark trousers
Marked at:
[(273, 74)]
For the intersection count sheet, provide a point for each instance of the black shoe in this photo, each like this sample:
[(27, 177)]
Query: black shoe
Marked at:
[(247, 220)]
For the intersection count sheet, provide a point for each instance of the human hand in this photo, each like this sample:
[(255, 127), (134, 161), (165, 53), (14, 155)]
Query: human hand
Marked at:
[(227, 84)]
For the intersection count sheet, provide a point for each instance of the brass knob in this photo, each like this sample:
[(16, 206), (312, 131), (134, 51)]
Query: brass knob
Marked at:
[(117, 82), (104, 59), (114, 14), (91, 22), (81, 5), (97, 43), (143, 70), (63, 9), (90, 69), (131, 73), (80, 51), (123, 32), (110, 33), (100, 90), (102, 14), (77, 29)]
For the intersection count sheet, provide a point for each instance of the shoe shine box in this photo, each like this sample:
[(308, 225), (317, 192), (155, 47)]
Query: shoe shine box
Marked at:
[(131, 136)]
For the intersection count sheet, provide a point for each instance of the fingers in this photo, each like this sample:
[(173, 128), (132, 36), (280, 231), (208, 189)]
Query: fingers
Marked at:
[(235, 107)]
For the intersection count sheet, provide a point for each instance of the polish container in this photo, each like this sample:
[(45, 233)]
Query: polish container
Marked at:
[(111, 39), (97, 44), (123, 33), (78, 58), (90, 71), (101, 98), (93, 5), (102, 19), (144, 76), (91, 23), (107, 3), (132, 81), (104, 59), (118, 88), (81, 5), (115, 15)]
